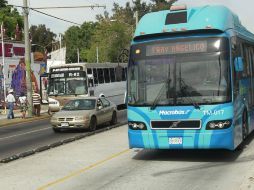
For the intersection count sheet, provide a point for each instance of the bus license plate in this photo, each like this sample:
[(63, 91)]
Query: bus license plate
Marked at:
[(64, 124), (175, 140)]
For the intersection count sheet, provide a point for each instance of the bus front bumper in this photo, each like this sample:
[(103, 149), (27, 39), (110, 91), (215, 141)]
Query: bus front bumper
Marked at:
[(174, 139)]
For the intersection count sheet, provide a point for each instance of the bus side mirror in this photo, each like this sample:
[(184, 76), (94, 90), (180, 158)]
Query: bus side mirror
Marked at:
[(238, 62)]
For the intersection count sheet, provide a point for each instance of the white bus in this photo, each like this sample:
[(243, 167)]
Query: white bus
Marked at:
[(68, 81)]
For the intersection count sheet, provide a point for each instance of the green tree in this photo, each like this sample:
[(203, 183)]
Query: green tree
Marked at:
[(11, 18), (3, 3), (41, 37), (113, 33), (78, 39)]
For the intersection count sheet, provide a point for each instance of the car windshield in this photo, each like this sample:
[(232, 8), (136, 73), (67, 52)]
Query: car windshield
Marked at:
[(179, 79), (80, 104)]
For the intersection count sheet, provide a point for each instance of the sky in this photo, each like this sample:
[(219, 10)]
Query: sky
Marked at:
[(243, 9)]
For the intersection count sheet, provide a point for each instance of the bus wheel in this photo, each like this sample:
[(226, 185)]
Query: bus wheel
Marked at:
[(245, 126), (114, 119), (93, 124)]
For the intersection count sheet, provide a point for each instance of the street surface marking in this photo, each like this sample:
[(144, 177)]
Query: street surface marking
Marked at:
[(24, 133), (76, 173)]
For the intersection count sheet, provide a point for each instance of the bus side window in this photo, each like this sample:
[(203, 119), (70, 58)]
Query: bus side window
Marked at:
[(119, 73), (112, 74), (106, 75), (124, 74), (100, 76), (89, 71), (95, 76)]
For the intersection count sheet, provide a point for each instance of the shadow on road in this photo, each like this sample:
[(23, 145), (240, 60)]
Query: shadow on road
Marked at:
[(195, 155)]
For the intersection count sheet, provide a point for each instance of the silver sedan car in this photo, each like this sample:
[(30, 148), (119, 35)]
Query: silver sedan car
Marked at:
[(85, 113)]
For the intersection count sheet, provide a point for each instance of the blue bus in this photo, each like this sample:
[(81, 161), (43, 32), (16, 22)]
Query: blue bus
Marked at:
[(190, 80)]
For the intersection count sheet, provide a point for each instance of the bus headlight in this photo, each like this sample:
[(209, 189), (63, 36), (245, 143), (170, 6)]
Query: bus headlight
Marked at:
[(218, 124), (137, 125)]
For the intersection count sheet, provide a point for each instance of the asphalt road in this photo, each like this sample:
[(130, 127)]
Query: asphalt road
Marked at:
[(23, 137), (104, 161)]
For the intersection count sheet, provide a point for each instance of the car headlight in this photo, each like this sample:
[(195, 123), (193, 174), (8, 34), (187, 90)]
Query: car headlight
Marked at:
[(137, 125), (218, 124)]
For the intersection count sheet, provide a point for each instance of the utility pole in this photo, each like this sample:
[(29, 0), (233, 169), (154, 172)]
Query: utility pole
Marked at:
[(78, 54), (136, 16), (97, 54), (27, 59)]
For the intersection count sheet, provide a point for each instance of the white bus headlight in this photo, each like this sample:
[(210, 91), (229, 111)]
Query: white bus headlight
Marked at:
[(137, 125), (219, 124)]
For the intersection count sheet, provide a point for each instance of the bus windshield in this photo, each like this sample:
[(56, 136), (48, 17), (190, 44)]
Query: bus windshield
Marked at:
[(179, 79), (68, 86)]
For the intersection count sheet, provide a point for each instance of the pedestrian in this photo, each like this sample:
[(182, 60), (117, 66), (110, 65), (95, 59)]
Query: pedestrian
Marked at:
[(23, 105), (36, 103), (10, 100)]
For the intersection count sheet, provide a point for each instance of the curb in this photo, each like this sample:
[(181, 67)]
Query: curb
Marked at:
[(58, 143)]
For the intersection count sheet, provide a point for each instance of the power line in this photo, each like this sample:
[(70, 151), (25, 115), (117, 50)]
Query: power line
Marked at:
[(66, 7), (72, 7), (55, 17)]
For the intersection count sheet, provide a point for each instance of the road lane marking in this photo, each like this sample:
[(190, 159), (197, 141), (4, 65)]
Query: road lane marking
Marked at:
[(76, 173), (3, 138)]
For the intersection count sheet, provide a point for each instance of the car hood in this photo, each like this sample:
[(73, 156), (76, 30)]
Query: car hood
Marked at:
[(73, 113)]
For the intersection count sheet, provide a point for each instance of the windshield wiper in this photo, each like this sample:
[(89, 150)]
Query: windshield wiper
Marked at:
[(185, 92), (156, 100)]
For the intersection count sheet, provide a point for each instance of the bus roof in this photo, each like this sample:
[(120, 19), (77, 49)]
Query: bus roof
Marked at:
[(206, 18)]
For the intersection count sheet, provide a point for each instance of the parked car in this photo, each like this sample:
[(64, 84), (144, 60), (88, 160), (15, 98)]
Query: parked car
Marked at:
[(84, 113)]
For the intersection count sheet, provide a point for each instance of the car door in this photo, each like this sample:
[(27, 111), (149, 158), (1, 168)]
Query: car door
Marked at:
[(108, 109), (100, 112)]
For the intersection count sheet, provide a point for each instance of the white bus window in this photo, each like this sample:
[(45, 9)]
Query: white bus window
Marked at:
[(89, 71), (123, 75), (106, 75), (100, 76), (95, 76), (57, 86), (112, 75), (76, 86), (119, 71)]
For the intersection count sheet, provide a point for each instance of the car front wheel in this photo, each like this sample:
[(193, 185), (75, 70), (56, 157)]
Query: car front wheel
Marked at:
[(93, 124)]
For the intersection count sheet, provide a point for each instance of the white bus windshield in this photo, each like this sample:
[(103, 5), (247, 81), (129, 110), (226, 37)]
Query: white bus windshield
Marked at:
[(68, 86)]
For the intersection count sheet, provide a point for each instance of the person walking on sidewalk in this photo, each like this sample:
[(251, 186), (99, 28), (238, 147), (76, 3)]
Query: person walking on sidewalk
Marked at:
[(36, 103), (10, 100), (23, 104)]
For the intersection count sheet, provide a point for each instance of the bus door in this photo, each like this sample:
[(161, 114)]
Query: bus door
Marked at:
[(251, 62)]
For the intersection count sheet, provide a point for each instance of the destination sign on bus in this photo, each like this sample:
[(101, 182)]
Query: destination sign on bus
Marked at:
[(176, 48), (64, 69), (67, 74)]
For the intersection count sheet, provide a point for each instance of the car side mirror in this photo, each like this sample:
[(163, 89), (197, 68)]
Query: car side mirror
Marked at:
[(100, 107), (238, 63)]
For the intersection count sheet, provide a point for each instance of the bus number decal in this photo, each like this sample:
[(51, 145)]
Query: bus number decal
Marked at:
[(215, 112)]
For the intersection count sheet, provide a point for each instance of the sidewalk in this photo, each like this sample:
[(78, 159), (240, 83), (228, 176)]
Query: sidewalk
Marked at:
[(17, 114)]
